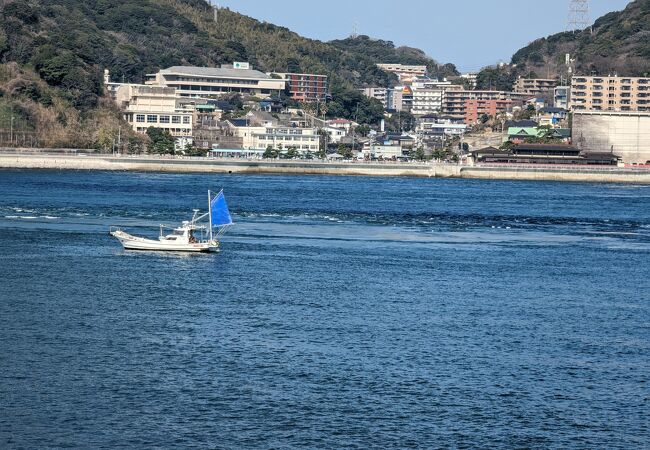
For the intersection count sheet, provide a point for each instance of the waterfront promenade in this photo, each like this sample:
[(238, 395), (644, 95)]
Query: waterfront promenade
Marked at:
[(152, 163)]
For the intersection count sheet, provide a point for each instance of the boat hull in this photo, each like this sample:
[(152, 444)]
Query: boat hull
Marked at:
[(130, 242)]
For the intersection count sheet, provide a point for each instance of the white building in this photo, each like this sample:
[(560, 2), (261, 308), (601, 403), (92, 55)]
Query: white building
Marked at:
[(426, 101), (384, 151), (278, 137), (212, 82), (151, 106), (624, 134), (335, 134), (436, 127), (471, 78)]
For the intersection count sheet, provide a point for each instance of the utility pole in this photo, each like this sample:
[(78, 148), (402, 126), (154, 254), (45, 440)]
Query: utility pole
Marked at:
[(11, 131), (119, 139)]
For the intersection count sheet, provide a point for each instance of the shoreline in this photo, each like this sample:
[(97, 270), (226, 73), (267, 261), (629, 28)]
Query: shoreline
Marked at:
[(24, 160)]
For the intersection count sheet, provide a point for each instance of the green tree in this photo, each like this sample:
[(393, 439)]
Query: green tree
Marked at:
[(292, 153), (193, 150), (270, 153), (419, 154), (162, 142), (363, 130), (345, 151), (105, 138)]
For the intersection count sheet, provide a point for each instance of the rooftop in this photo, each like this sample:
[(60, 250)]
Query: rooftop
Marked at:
[(216, 72)]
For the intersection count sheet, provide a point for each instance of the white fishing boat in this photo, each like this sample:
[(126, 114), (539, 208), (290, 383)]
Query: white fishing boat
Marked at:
[(190, 236)]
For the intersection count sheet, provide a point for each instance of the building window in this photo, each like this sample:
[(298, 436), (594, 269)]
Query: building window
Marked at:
[(164, 119), (176, 119), (139, 118), (186, 120), (152, 119)]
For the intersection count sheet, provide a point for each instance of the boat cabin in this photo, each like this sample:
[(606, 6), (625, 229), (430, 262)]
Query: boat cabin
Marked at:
[(181, 235)]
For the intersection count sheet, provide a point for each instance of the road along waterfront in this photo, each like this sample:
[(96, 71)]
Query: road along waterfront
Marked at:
[(152, 163)]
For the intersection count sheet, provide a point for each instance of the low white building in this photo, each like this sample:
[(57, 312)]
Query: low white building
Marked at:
[(277, 137), (384, 151), (335, 134)]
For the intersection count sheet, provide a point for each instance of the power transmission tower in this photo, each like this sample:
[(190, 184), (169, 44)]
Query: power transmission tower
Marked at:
[(355, 30), (578, 15)]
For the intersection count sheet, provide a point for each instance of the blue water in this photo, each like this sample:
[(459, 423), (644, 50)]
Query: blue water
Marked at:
[(341, 313)]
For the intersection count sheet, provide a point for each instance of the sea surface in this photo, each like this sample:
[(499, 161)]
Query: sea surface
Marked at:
[(341, 313)]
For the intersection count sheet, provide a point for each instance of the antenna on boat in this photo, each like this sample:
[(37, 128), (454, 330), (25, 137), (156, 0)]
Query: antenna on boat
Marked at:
[(210, 212)]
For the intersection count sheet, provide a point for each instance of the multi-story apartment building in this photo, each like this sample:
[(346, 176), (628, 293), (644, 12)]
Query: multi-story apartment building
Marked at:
[(153, 106), (306, 87), (428, 96), (404, 72), (561, 95), (384, 95), (213, 82), (610, 93), (534, 86), (426, 101), (469, 106)]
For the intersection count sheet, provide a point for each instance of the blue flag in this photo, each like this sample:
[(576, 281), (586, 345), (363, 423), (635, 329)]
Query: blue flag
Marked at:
[(220, 214)]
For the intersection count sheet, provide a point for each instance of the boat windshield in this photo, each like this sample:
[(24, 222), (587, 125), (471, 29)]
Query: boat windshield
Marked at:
[(179, 232)]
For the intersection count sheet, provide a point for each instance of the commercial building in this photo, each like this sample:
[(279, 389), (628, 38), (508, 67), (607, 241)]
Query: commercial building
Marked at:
[(151, 106), (306, 87), (405, 73), (626, 134), (610, 94), (212, 82), (534, 86)]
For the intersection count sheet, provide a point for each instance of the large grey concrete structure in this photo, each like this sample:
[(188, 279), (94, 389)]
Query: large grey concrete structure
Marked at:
[(626, 134)]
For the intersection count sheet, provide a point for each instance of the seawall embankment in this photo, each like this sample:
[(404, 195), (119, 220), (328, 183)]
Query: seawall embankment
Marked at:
[(25, 160)]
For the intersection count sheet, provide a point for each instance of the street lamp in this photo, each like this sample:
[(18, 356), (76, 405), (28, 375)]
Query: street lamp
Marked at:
[(11, 131)]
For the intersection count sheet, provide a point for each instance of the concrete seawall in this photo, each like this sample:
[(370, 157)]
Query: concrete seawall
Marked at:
[(195, 165)]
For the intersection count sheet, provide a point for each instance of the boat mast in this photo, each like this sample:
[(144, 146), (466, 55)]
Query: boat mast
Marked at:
[(210, 212)]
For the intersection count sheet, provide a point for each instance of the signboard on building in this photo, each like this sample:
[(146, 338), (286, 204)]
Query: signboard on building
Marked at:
[(241, 65)]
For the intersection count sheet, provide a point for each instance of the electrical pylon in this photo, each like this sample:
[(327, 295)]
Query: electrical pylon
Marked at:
[(578, 18)]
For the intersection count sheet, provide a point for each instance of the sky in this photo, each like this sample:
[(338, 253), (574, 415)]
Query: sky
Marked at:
[(469, 33)]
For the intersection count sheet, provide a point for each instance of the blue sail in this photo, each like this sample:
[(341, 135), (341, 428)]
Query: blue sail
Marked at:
[(219, 213)]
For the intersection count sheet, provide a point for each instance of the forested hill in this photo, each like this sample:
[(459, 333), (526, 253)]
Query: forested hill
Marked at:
[(618, 42), (53, 53)]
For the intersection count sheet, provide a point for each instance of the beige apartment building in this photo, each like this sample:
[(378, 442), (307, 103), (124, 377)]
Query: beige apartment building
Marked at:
[(610, 94), (404, 72), (153, 106), (534, 86)]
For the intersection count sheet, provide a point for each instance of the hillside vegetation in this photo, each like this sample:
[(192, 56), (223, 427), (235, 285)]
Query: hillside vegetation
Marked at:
[(618, 42), (53, 53)]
